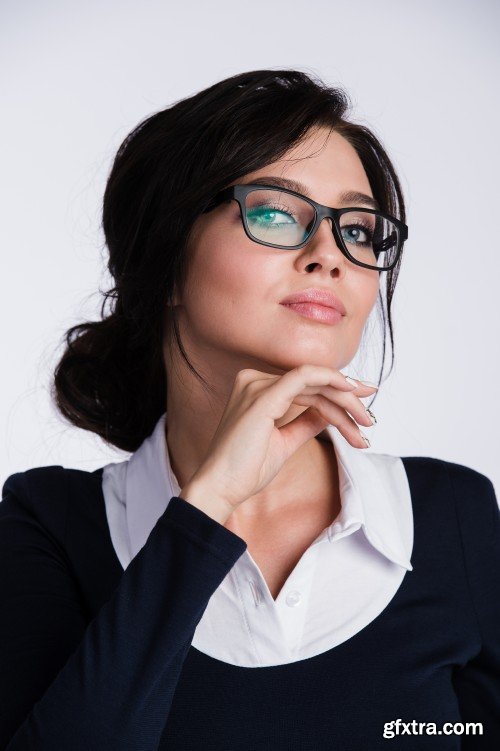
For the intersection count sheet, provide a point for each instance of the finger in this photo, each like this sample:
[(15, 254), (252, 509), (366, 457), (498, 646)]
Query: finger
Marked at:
[(337, 417), (350, 402), (364, 388), (277, 397), (302, 428)]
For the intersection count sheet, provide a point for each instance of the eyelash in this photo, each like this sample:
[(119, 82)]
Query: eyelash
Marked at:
[(282, 208), (364, 227)]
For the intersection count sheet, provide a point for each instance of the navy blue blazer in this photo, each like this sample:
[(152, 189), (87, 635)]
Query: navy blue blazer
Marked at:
[(95, 657)]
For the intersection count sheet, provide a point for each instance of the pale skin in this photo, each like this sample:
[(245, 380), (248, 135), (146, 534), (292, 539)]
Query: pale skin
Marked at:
[(230, 318)]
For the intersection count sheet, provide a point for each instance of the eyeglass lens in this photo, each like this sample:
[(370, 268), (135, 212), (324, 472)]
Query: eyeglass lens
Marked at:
[(280, 218)]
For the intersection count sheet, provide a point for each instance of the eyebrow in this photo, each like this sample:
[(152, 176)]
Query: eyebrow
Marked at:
[(348, 197)]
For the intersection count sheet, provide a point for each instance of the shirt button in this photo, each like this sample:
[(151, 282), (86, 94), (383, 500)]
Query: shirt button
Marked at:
[(293, 598)]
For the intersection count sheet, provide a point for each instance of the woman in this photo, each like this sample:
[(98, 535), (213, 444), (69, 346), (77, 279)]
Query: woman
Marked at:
[(251, 577)]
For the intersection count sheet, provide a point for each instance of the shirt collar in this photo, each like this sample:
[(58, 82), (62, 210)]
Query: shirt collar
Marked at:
[(374, 493)]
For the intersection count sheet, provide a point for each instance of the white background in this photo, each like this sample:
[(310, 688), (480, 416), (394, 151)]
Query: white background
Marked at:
[(423, 75)]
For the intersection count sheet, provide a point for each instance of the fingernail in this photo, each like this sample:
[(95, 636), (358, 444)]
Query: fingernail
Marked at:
[(351, 380), (369, 383), (372, 416), (365, 439)]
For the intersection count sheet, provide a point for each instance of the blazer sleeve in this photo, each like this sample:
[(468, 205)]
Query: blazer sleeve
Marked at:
[(477, 683), (70, 683)]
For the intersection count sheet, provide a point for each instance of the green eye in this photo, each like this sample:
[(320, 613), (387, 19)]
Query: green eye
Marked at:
[(269, 215)]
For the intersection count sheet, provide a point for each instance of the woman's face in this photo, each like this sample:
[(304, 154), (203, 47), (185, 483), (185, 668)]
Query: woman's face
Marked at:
[(230, 312)]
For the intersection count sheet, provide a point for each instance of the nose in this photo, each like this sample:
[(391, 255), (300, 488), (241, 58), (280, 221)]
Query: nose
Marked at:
[(322, 250), (325, 235)]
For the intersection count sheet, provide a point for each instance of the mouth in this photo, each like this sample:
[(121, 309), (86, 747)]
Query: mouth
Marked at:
[(321, 296), (315, 311)]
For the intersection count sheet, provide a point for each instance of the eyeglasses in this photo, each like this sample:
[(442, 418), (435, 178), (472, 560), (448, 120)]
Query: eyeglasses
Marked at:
[(282, 218)]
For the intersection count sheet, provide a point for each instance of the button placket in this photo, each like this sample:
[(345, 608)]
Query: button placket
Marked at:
[(291, 604), (264, 627)]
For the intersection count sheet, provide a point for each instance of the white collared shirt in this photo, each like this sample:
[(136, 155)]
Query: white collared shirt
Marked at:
[(342, 582)]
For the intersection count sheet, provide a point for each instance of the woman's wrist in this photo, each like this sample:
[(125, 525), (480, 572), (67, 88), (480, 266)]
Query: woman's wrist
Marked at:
[(199, 494)]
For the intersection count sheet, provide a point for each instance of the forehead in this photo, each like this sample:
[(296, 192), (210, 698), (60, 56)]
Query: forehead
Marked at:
[(325, 162)]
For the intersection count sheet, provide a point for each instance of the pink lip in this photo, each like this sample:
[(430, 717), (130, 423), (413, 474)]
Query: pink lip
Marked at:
[(316, 296), (317, 312)]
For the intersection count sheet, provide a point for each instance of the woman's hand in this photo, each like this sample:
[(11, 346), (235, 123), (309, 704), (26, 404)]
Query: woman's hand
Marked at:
[(248, 450)]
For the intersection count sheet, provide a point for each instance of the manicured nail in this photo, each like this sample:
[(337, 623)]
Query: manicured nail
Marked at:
[(369, 383), (372, 416), (351, 380), (365, 439)]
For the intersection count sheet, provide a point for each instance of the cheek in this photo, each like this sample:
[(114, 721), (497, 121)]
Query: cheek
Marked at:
[(360, 299), (227, 271), (365, 293), (227, 283)]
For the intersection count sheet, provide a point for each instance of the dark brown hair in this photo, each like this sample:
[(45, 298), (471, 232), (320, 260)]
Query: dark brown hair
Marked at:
[(111, 377)]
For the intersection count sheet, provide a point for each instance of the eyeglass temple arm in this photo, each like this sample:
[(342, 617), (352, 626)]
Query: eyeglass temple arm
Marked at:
[(219, 198)]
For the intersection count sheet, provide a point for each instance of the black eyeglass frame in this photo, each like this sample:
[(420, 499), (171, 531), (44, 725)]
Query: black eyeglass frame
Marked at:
[(240, 192)]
